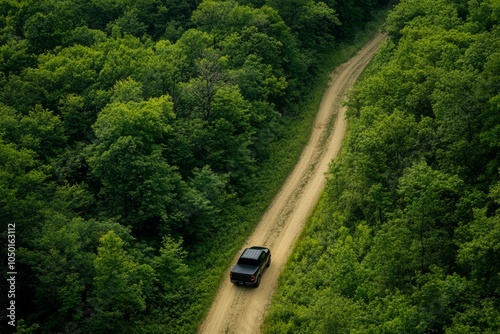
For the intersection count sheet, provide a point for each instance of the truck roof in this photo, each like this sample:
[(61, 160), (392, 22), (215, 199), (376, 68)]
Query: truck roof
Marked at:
[(252, 253)]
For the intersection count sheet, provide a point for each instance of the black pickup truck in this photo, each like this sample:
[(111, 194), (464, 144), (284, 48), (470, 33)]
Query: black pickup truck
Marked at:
[(252, 262)]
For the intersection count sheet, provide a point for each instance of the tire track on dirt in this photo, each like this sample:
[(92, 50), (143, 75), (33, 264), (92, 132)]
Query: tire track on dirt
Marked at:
[(240, 310)]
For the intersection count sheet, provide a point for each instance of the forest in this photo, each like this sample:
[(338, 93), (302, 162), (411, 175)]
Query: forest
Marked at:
[(406, 237), (132, 140)]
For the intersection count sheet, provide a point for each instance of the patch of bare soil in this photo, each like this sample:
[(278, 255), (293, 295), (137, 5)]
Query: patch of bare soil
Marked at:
[(241, 310)]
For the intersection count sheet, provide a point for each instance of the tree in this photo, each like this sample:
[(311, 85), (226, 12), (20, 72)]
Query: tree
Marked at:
[(203, 199), (438, 297), (71, 70), (172, 272), (314, 22), (459, 118), (124, 57), (382, 146), (42, 132), (167, 69), (430, 198), (230, 134), (126, 157), (211, 15), (118, 285), (22, 185), (257, 81), (478, 249), (24, 180), (193, 45), (200, 91), (411, 13), (389, 265), (47, 26), (61, 257)]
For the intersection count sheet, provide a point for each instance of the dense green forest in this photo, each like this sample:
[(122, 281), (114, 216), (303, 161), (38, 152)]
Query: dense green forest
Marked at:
[(132, 140), (406, 237)]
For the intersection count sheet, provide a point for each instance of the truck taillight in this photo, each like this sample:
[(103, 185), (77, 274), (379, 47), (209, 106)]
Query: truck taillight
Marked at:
[(252, 278), (231, 274)]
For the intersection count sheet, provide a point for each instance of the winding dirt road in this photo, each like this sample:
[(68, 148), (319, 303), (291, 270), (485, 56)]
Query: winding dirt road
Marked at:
[(240, 310)]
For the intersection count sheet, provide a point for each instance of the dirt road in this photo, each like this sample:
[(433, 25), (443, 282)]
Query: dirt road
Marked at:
[(240, 310)]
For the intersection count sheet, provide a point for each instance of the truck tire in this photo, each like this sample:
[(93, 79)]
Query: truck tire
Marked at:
[(256, 285)]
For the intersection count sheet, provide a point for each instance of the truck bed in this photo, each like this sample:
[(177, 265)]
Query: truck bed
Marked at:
[(244, 269)]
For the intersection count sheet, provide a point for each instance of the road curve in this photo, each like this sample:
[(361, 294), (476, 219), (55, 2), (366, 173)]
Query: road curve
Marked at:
[(240, 310)]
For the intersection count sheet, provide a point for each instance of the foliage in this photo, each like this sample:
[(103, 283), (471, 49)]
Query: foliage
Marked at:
[(132, 135), (405, 237)]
